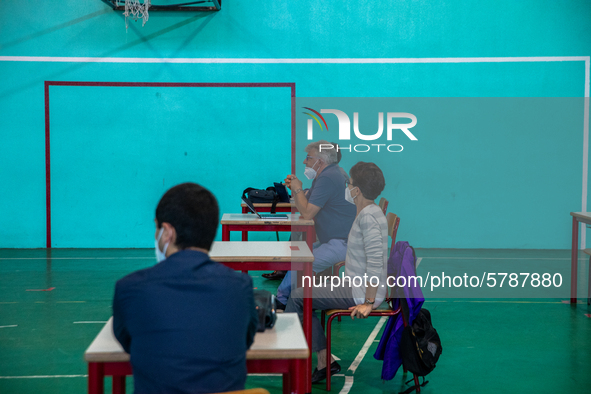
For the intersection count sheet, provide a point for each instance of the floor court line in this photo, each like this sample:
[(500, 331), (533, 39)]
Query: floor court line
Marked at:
[(12, 325), (90, 322), (348, 385), (43, 377)]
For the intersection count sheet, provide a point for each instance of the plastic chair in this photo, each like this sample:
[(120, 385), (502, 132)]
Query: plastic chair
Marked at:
[(588, 251), (384, 205)]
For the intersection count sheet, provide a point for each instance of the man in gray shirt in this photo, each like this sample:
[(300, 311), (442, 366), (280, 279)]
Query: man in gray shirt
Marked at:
[(325, 202)]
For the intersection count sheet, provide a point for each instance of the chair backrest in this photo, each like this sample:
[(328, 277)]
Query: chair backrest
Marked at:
[(393, 222), (383, 205)]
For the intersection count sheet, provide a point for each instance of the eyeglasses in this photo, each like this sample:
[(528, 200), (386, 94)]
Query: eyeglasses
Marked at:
[(347, 183), (310, 157)]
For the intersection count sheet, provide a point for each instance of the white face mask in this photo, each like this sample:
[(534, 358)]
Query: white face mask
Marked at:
[(348, 196), (160, 256), (310, 172)]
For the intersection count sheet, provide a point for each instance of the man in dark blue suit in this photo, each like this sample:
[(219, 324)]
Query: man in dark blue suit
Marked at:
[(187, 321)]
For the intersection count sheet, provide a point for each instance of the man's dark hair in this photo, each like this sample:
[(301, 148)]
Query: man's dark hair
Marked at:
[(368, 178), (193, 212)]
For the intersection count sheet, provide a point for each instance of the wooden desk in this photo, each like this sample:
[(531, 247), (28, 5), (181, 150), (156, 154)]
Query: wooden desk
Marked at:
[(264, 256), (250, 222), (578, 217), (278, 350), (266, 207)]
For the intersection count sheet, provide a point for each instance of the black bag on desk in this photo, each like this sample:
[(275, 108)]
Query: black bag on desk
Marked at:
[(264, 302), (262, 196)]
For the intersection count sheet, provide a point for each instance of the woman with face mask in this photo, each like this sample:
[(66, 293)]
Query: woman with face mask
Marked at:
[(365, 264)]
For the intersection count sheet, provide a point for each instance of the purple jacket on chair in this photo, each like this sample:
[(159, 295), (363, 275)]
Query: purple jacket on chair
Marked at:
[(401, 263)]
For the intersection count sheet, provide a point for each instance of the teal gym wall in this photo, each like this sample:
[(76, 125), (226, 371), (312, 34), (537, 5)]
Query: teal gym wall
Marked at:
[(115, 150)]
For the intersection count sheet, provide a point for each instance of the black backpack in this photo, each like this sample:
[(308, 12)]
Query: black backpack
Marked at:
[(268, 195), (420, 346)]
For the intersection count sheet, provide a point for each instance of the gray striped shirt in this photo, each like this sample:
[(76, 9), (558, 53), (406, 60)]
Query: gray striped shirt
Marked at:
[(367, 253)]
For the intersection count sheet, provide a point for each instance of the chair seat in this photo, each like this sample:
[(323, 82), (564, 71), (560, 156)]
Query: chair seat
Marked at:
[(588, 251), (331, 312), (383, 308)]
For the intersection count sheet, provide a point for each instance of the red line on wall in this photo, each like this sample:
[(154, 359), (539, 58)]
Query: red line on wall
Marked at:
[(47, 170), (152, 84)]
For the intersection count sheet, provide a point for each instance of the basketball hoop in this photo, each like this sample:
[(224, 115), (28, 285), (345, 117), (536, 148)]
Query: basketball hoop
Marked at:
[(136, 10)]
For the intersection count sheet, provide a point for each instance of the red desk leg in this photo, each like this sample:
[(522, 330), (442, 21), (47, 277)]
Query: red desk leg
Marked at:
[(225, 232), (310, 238), (119, 384), (308, 326), (298, 379), (245, 236), (573, 262), (96, 377), (287, 384)]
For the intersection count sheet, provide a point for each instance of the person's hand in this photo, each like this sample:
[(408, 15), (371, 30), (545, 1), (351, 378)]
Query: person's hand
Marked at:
[(360, 311), (296, 184), (287, 181)]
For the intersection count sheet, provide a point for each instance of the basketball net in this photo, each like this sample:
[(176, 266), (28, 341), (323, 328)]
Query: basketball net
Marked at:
[(136, 10)]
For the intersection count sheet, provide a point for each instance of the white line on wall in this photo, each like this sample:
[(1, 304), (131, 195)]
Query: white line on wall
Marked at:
[(75, 59)]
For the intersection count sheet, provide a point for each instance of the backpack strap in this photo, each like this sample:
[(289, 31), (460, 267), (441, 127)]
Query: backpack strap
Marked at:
[(245, 192), (274, 204)]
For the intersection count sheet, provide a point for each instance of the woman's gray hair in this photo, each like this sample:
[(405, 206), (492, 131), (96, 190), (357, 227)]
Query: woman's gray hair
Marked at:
[(324, 150)]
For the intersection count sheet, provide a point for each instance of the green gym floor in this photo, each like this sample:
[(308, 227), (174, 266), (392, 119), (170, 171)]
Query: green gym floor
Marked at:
[(489, 345)]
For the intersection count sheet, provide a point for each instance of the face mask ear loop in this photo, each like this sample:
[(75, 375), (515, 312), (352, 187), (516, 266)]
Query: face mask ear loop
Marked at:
[(317, 161), (160, 235)]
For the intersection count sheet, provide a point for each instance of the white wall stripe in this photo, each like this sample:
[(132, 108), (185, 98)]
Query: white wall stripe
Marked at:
[(295, 60)]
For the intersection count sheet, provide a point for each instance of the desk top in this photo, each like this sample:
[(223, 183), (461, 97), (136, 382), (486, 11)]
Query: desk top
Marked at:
[(252, 219), (584, 217), (268, 204), (284, 341), (260, 251)]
